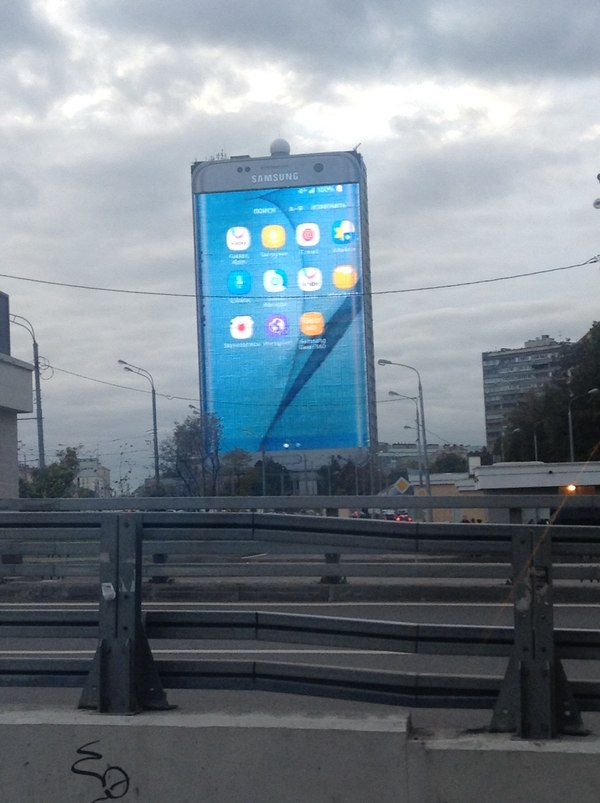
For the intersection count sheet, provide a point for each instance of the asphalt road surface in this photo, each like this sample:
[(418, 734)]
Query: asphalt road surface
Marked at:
[(571, 616)]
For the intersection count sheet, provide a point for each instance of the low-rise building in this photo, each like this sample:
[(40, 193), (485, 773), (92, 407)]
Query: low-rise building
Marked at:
[(15, 397), (556, 479), (93, 477)]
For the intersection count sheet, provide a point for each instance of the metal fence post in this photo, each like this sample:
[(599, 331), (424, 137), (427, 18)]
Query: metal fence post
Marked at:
[(123, 678), (535, 700), (333, 579)]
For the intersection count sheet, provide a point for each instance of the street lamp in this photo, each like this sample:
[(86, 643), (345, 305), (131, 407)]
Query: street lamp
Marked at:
[(535, 440), (418, 429), (422, 409), (134, 369), (25, 324), (591, 392)]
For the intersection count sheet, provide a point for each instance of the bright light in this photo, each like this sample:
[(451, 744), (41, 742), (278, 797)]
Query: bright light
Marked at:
[(571, 488)]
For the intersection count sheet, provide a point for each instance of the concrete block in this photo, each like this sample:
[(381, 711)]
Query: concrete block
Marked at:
[(59, 756), (497, 768), (15, 385), (9, 478)]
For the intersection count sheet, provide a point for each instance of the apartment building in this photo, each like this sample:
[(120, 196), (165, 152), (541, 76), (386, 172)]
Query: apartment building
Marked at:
[(510, 374)]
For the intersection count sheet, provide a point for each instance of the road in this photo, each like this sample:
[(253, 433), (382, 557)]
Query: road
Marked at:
[(569, 616)]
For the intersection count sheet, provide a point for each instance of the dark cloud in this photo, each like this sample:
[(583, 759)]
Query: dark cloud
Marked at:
[(511, 40), (359, 38), (317, 34)]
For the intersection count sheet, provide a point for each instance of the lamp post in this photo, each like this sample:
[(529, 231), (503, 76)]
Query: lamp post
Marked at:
[(422, 409), (572, 398), (25, 324), (535, 440), (418, 429), (134, 369)]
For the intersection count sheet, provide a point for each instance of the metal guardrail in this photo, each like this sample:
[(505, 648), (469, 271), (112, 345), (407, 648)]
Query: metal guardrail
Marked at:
[(534, 699), (316, 504)]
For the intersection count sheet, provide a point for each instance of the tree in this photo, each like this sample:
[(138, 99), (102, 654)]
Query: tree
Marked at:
[(486, 458), (449, 463), (191, 454), (539, 425), (240, 477), (236, 466), (340, 477), (278, 480), (55, 480)]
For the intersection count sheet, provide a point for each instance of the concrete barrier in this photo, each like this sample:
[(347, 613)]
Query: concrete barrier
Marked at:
[(53, 755), (496, 768)]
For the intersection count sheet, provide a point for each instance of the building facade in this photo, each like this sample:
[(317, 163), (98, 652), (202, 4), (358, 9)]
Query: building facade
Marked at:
[(93, 477), (510, 374), (15, 397)]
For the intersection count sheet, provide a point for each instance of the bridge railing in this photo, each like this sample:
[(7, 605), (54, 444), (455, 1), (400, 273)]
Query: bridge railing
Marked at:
[(119, 549)]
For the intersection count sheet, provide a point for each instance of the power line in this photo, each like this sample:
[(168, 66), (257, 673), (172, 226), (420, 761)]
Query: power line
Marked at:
[(244, 405), (396, 291), (122, 387), (93, 287), (489, 281)]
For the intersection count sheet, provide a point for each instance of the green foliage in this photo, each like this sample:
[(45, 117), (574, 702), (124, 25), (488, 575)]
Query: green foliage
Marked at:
[(240, 477), (449, 463), (343, 477), (235, 467), (278, 480), (540, 422), (55, 480), (191, 454)]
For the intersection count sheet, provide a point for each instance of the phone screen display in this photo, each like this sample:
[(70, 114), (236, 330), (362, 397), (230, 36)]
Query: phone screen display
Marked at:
[(281, 316)]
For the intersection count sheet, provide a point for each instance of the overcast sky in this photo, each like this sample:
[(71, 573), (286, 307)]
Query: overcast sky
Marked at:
[(479, 124)]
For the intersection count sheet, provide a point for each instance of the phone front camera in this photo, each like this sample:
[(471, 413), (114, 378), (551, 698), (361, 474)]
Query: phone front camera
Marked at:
[(318, 167)]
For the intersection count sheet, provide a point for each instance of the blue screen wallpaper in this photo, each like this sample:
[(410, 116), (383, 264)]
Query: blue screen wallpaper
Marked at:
[(282, 341)]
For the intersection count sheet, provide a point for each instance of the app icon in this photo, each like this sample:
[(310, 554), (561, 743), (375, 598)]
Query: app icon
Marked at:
[(310, 279), (343, 231), (273, 236), (239, 282), (241, 327), (308, 234), (345, 277), (275, 280), (312, 324), (238, 238), (277, 325)]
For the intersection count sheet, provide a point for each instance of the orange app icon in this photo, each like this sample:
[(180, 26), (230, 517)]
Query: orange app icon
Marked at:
[(312, 324), (345, 277), (273, 236)]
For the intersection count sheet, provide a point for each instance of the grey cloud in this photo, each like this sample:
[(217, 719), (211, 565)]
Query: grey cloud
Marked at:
[(23, 28), (381, 39), (16, 190), (513, 39), (313, 35)]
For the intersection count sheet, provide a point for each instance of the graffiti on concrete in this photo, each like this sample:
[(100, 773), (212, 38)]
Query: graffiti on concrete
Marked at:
[(114, 780)]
